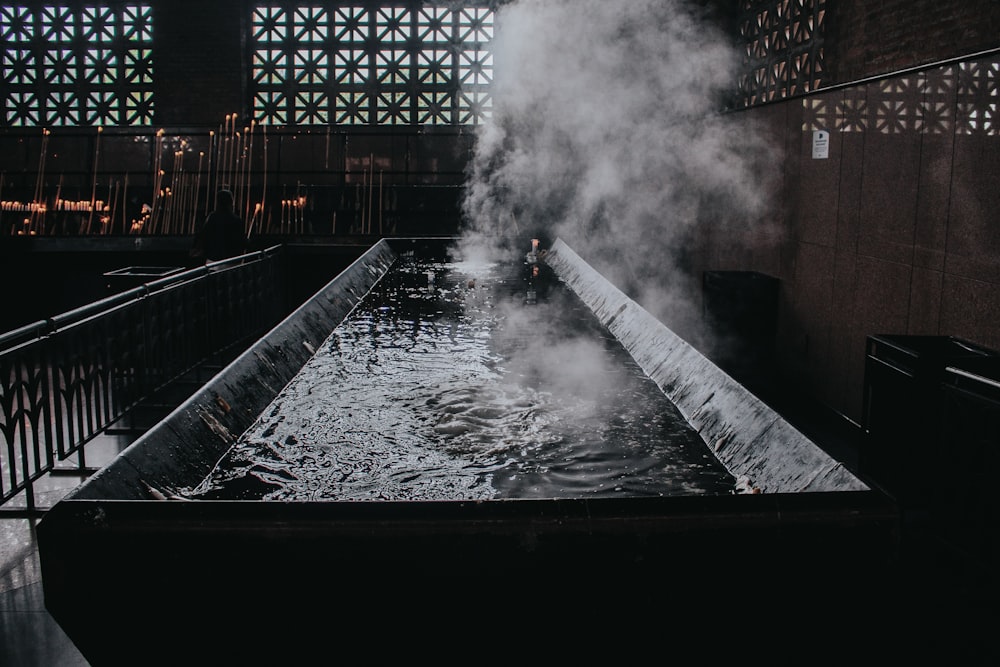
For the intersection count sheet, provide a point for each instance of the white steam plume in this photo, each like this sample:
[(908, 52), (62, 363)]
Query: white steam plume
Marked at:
[(606, 131)]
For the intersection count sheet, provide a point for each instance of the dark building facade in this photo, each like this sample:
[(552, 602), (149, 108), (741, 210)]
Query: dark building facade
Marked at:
[(890, 227), (883, 117)]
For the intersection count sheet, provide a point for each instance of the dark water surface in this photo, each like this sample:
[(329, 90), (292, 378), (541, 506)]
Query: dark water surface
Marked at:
[(455, 381)]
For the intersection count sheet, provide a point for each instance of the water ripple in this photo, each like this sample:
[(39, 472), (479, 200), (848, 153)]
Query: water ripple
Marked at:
[(458, 390)]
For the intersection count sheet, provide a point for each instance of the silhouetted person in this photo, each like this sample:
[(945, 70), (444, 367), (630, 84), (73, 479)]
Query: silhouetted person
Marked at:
[(222, 235)]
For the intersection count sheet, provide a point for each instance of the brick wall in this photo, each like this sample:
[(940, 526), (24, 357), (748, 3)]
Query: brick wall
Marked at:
[(866, 38), (893, 232), (199, 61)]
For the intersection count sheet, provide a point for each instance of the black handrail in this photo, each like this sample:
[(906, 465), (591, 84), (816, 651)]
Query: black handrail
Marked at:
[(854, 83), (65, 380)]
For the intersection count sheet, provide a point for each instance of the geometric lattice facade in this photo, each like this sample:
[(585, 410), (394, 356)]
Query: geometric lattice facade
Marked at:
[(76, 65), (962, 98), (363, 63), (783, 48)]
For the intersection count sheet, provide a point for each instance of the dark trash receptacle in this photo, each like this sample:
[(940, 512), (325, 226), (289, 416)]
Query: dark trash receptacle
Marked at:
[(966, 504), (741, 310), (903, 412)]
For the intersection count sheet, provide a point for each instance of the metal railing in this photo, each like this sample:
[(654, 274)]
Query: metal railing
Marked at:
[(65, 380)]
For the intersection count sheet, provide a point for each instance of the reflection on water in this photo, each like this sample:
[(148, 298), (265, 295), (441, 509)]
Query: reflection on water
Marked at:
[(446, 382)]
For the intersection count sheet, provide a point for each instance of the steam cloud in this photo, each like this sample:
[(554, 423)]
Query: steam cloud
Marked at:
[(606, 132)]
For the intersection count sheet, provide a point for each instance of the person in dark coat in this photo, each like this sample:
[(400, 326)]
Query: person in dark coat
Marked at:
[(222, 235)]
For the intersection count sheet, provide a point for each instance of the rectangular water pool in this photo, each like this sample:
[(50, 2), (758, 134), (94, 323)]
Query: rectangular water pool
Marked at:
[(281, 581)]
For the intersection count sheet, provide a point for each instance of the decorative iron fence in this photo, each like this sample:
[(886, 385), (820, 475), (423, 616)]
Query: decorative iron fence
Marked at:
[(65, 380)]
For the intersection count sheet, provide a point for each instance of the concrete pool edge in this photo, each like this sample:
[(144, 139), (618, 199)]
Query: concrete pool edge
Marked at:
[(753, 441), (182, 448)]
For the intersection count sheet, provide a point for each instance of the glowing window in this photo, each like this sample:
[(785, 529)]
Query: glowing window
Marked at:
[(475, 25), (783, 48), (392, 66), (310, 66), (19, 67), (271, 105), (58, 24), (353, 109), (393, 108), (434, 108), (392, 24), (351, 66), (59, 67), (62, 108), (475, 67), (23, 109), (269, 25), (102, 108), (17, 25), (434, 24), (138, 107), (962, 98), (100, 66), (310, 24), (98, 24), (370, 64), (978, 108), (138, 67), (95, 63), (474, 106), (137, 23), (310, 108), (435, 66), (269, 66), (351, 24)]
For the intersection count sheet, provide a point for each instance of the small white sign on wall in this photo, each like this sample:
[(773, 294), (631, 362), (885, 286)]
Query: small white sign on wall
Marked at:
[(821, 144)]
